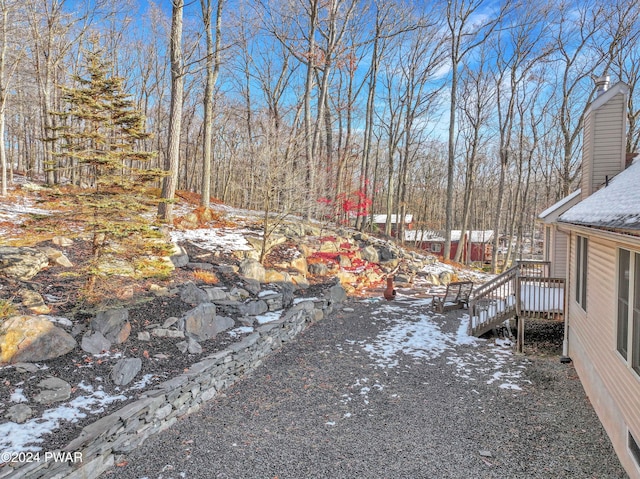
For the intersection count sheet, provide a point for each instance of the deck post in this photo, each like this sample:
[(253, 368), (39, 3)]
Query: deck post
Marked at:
[(520, 334), (519, 316)]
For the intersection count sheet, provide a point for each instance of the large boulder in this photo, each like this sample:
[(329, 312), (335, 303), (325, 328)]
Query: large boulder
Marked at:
[(21, 263), (201, 323), (31, 338), (113, 324), (337, 294), (193, 295), (370, 254), (252, 269)]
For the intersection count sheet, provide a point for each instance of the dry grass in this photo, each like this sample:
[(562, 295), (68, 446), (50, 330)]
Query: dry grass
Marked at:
[(205, 276)]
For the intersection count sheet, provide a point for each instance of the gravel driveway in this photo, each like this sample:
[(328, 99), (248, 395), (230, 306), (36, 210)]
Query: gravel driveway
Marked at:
[(389, 390)]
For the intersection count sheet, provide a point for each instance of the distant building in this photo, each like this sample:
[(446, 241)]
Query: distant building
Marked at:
[(380, 221), (476, 243)]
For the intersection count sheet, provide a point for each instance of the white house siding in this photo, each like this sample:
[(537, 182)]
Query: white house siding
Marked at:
[(613, 388), (559, 253)]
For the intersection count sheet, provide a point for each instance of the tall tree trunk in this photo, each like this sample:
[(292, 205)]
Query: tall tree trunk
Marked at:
[(213, 70), (172, 161)]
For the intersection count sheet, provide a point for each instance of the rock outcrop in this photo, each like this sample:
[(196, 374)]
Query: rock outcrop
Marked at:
[(32, 338), (21, 263)]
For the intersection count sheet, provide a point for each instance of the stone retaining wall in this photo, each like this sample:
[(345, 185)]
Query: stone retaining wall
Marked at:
[(159, 408)]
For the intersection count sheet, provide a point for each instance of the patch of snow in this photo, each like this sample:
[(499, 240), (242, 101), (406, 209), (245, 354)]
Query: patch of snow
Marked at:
[(143, 382), (300, 300), (234, 333), (266, 292), (18, 396), (59, 320), (269, 317), (214, 239), (25, 437)]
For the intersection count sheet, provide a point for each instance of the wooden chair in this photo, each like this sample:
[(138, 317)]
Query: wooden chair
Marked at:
[(456, 297)]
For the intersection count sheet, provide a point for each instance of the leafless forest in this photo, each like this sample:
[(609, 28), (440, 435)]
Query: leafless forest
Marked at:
[(466, 114)]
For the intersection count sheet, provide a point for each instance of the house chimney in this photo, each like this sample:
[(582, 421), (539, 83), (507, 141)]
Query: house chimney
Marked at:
[(602, 84), (604, 141)]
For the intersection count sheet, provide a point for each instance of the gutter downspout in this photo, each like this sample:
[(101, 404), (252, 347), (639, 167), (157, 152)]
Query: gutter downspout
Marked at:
[(565, 359)]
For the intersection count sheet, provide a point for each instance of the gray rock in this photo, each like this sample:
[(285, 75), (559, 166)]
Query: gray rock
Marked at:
[(193, 295), (125, 370), (21, 263), (95, 343), (227, 268), (200, 266), (216, 294), (252, 285), (386, 254), (170, 321), (445, 277), (182, 346), (113, 324), (167, 333), (26, 368), (254, 308), (19, 413), (485, 453), (194, 347), (337, 294), (179, 258), (31, 338), (53, 390), (238, 294), (144, 336), (252, 269), (370, 254), (287, 290), (201, 323)]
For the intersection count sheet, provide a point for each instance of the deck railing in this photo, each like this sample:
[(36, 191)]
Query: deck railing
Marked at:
[(523, 290)]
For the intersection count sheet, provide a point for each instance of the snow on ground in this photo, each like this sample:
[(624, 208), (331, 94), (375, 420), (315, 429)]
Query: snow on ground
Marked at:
[(226, 240), (234, 333), (25, 437), (17, 212), (414, 331)]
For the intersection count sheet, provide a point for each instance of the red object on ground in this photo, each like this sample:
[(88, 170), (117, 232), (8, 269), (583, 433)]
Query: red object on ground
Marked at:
[(389, 293)]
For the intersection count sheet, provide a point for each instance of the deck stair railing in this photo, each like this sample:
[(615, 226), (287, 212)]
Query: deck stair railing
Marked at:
[(523, 290)]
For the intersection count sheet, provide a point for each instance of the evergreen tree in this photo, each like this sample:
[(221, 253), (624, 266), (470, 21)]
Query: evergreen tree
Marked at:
[(101, 132)]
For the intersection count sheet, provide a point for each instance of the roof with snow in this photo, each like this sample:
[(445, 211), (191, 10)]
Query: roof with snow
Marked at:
[(616, 206), (477, 236), (382, 219), (423, 235), (552, 212)]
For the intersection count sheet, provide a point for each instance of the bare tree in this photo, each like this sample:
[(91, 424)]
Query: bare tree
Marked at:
[(9, 60), (165, 208), (478, 97), (467, 28), (213, 70)]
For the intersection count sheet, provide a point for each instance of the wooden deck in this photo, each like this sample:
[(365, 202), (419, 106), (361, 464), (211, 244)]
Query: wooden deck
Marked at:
[(523, 291)]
